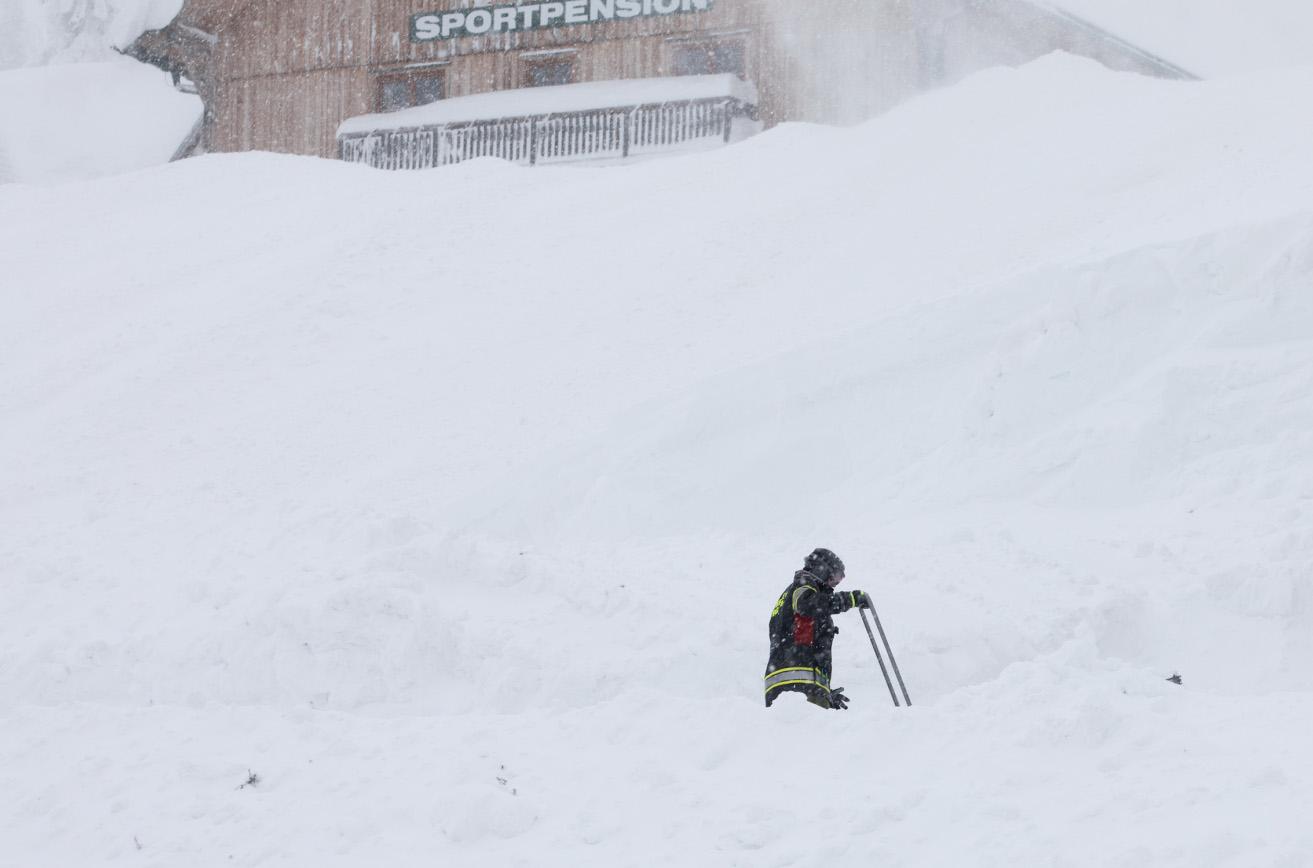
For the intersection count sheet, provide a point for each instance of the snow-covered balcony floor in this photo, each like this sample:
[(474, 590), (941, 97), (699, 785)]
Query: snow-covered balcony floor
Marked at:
[(592, 121)]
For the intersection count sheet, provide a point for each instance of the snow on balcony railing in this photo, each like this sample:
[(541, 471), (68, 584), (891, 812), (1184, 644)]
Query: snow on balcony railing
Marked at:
[(593, 121)]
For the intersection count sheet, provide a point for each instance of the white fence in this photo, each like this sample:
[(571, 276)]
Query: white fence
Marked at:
[(610, 133)]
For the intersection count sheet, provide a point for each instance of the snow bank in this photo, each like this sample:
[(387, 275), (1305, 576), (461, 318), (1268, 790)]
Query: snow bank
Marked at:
[(85, 120), (452, 503)]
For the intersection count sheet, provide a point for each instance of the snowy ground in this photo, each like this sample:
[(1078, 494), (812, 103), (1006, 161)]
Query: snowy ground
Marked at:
[(452, 504)]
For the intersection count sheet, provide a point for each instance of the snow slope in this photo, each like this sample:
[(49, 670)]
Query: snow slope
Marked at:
[(452, 504)]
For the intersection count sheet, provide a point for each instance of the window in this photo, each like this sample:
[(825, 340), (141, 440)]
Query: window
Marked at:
[(709, 58), (547, 71), (403, 90)]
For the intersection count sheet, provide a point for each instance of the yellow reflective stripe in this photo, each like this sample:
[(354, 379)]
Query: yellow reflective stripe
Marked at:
[(799, 591), (792, 669), (817, 677)]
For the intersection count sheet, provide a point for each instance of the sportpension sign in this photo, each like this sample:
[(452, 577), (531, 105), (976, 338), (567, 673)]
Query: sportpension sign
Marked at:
[(483, 20)]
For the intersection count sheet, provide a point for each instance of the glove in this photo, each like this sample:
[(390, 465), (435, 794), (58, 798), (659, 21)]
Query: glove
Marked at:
[(858, 600), (837, 699)]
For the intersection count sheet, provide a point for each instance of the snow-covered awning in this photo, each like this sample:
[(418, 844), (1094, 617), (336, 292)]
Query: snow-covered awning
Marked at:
[(557, 99)]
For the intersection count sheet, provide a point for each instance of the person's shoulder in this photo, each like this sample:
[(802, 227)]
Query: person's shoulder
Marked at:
[(805, 582)]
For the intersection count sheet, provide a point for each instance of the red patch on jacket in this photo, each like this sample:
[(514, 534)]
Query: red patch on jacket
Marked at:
[(804, 630)]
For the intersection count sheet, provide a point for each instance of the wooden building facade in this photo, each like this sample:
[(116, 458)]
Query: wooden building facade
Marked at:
[(281, 75)]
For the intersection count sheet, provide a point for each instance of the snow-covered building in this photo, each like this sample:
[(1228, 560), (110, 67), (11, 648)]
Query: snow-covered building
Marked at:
[(291, 75)]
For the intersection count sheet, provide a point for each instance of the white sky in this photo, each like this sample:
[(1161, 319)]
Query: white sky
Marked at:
[(1209, 37)]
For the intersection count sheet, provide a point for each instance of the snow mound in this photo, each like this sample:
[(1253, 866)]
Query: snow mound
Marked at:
[(86, 120), (451, 504)]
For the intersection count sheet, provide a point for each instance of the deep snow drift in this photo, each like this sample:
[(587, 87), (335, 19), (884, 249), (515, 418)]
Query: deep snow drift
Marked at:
[(71, 107), (452, 504), (78, 121)]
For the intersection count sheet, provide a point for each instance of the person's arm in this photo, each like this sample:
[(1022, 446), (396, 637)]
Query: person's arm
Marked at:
[(842, 601), (807, 602)]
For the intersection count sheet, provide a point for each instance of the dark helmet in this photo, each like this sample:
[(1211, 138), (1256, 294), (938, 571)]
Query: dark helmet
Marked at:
[(824, 565)]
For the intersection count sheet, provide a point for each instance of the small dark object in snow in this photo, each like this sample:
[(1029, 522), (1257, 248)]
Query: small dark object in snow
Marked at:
[(1175, 679), (252, 779)]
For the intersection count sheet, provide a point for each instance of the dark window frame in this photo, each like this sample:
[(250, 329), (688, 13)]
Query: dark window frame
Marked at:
[(712, 47), (532, 62), (411, 79)]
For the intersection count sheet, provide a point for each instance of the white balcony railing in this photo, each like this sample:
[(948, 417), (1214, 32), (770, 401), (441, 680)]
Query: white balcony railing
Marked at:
[(593, 134)]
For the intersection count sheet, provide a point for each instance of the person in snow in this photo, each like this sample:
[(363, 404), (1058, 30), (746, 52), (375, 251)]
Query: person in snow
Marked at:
[(802, 631)]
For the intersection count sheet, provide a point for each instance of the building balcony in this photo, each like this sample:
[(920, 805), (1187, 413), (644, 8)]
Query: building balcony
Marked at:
[(593, 122)]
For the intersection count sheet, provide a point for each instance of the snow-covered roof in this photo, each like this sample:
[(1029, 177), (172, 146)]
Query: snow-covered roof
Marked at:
[(557, 98), (38, 32), (85, 120), (1207, 38)]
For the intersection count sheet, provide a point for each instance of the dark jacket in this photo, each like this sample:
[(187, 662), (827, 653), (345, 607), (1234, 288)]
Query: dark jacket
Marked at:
[(801, 636)]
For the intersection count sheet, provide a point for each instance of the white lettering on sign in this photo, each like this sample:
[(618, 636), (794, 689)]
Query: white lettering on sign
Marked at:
[(576, 11), (478, 21), (551, 12), (531, 16), (425, 27)]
